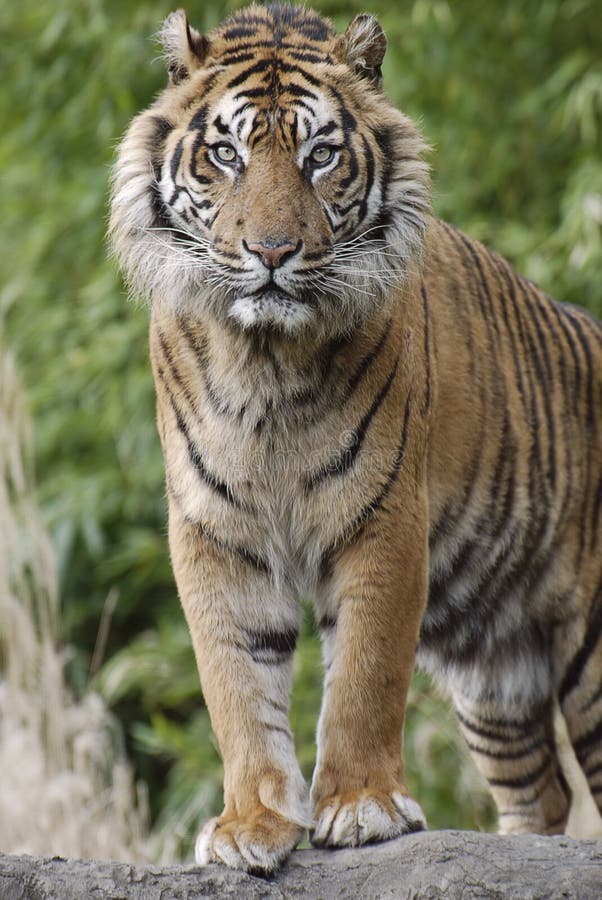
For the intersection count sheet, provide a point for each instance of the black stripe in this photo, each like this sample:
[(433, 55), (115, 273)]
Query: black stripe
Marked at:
[(219, 405), (504, 476), (353, 169), (559, 313), (157, 141), (367, 361), (541, 358), (297, 70), (174, 163), (163, 128), (220, 487), (161, 218), (259, 65), (583, 655), (383, 139), (524, 727), (595, 770), (307, 56), (297, 91), (374, 504), (280, 729), (589, 740), (355, 528), (239, 32), (198, 123), (530, 292), (251, 92), (500, 273), (279, 707), (548, 312), (582, 324), (175, 374), (507, 754), (347, 118), (467, 556), (427, 349), (326, 129), (533, 552), (271, 647), (534, 797), (369, 178), (473, 265), (575, 320), (199, 120), (342, 462), (595, 698), (327, 623), (259, 564), (275, 641), (233, 57), (595, 518), (523, 781), (220, 125)]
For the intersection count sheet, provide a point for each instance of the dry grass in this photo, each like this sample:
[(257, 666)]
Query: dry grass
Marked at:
[(65, 785)]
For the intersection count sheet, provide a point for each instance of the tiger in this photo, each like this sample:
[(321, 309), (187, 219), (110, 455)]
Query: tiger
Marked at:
[(360, 405)]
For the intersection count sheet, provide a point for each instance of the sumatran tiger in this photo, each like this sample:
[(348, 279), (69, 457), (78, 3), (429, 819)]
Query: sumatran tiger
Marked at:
[(359, 404)]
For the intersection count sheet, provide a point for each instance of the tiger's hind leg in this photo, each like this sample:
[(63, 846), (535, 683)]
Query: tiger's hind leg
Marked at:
[(514, 748), (580, 696)]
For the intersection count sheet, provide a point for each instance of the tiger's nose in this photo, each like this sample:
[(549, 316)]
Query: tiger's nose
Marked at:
[(272, 253)]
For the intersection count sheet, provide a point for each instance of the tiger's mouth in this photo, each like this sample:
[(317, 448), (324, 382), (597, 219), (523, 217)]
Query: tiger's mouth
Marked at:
[(272, 293), (273, 307)]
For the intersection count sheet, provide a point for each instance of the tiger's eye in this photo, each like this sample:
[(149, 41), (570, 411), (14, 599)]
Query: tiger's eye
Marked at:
[(225, 153), (321, 155)]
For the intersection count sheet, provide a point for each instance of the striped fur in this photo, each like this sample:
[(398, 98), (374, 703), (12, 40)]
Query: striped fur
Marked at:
[(356, 403)]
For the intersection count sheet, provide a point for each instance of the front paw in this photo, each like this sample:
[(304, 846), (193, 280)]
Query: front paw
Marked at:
[(259, 843), (364, 816)]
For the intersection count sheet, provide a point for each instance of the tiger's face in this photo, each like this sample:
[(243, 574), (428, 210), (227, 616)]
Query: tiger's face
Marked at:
[(286, 191)]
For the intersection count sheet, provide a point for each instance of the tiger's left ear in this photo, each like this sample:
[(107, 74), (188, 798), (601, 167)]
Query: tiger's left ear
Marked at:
[(185, 48), (365, 45)]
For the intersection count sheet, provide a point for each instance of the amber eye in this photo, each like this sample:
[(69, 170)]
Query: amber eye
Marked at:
[(225, 153), (322, 154)]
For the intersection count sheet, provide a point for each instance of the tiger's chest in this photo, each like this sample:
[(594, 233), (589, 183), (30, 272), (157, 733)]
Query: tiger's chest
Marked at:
[(286, 490), (264, 470), (278, 452)]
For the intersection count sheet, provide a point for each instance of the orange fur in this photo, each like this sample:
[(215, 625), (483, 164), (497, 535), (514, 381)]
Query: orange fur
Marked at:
[(356, 403)]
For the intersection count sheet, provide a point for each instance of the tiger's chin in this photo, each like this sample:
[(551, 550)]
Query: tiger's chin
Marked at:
[(273, 310)]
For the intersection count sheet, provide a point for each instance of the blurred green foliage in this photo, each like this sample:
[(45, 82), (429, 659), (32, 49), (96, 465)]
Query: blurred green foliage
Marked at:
[(510, 97)]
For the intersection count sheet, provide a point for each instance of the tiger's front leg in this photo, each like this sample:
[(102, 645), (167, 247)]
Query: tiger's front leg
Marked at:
[(243, 636), (370, 618)]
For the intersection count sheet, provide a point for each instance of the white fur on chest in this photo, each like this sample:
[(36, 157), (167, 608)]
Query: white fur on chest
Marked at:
[(268, 510)]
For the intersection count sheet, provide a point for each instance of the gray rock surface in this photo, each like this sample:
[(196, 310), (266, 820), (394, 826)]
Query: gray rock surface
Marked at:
[(435, 864)]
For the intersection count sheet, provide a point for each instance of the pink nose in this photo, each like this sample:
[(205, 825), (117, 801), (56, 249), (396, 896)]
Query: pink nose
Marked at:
[(272, 256)]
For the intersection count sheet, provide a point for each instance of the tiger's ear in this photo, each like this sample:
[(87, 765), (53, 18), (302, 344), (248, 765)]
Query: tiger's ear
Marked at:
[(185, 48), (365, 45)]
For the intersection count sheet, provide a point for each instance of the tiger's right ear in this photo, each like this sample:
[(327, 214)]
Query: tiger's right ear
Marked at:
[(184, 47), (365, 44)]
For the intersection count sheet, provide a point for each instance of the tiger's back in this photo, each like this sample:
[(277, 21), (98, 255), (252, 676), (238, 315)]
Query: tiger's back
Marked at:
[(356, 403)]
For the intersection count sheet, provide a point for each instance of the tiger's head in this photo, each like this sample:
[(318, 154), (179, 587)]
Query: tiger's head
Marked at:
[(271, 184)]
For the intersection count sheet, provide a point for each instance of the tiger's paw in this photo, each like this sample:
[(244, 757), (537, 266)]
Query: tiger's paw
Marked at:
[(363, 817), (258, 844)]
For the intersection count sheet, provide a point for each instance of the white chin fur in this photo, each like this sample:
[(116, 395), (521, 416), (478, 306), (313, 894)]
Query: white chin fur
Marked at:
[(272, 309)]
